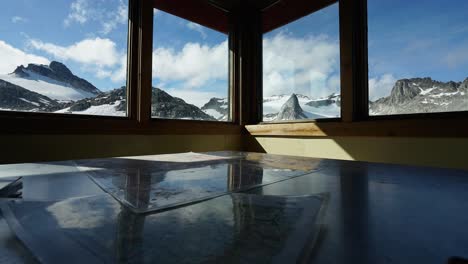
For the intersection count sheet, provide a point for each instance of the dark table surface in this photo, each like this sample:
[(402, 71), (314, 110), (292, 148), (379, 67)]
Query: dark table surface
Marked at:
[(340, 211)]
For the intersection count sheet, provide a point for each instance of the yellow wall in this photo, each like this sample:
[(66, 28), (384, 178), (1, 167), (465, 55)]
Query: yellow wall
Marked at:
[(437, 152), (34, 148)]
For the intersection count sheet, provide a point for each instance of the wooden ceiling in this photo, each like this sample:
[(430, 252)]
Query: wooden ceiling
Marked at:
[(215, 14)]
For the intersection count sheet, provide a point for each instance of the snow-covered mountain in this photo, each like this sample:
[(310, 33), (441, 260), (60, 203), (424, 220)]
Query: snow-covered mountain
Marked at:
[(422, 95), (55, 89), (217, 108), (275, 107), (55, 81)]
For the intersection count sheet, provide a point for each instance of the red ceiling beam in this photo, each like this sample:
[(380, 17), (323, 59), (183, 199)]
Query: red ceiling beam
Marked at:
[(198, 11), (287, 11)]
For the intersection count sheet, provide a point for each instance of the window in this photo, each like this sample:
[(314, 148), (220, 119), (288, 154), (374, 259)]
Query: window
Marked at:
[(301, 68), (418, 56), (190, 70), (64, 56)]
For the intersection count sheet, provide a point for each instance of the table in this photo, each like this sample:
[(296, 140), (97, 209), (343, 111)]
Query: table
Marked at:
[(258, 208)]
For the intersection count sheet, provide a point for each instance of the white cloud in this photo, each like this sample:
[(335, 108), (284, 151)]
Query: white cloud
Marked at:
[(194, 65), (120, 74), (198, 28), (97, 51), (13, 57), (116, 18), (18, 19), (97, 56), (381, 86), (79, 12), (83, 11), (308, 66)]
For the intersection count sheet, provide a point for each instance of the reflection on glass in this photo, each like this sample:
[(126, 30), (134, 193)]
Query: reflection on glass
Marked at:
[(301, 68), (190, 70), (417, 56), (238, 228), (146, 186)]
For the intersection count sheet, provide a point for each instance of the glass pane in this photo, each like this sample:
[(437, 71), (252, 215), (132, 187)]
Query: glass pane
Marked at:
[(417, 56), (63, 56), (190, 70), (301, 68)]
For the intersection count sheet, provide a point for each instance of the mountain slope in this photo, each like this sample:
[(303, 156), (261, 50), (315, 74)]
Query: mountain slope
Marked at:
[(114, 103), (217, 108), (327, 107), (422, 95), (167, 106), (291, 110), (13, 97), (55, 81)]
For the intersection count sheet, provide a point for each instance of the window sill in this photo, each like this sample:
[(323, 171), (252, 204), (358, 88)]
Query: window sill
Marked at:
[(453, 127)]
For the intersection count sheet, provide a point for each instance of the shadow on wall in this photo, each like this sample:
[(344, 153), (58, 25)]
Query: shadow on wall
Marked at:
[(434, 152)]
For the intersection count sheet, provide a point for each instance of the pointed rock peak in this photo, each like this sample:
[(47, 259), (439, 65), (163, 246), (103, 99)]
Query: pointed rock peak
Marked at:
[(291, 110), (20, 71), (60, 68), (293, 100)]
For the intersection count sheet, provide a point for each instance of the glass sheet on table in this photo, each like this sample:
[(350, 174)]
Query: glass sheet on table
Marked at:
[(236, 228), (151, 183)]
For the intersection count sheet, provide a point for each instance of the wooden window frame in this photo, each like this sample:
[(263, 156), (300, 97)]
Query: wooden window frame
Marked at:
[(139, 85), (355, 119), (245, 81)]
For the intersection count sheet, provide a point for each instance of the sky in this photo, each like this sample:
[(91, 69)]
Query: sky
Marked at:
[(191, 61)]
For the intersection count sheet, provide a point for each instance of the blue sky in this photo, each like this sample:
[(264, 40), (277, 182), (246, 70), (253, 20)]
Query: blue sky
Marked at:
[(90, 36), (417, 39)]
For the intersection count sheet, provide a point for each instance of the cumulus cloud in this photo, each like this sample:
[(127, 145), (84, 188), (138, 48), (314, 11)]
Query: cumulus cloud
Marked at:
[(13, 57), (95, 55), (193, 66), (381, 86), (18, 19), (308, 66), (97, 51), (198, 28)]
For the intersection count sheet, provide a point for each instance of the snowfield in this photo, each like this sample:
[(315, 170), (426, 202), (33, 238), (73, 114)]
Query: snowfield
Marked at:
[(100, 110), (47, 86)]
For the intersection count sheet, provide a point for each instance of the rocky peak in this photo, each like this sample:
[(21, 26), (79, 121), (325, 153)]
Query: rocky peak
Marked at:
[(291, 110), (167, 106), (405, 90), (59, 72), (60, 68), (464, 85), (20, 72)]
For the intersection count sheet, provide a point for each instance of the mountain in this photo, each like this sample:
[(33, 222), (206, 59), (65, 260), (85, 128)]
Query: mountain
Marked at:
[(291, 110), (15, 97), (167, 106), (422, 95), (326, 107), (113, 103), (55, 81), (217, 108), (54, 88)]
